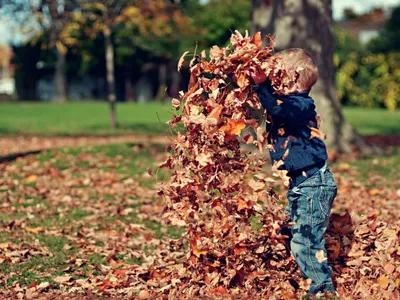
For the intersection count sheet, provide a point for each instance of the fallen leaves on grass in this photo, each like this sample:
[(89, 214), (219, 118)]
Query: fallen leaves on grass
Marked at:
[(87, 225), (117, 246)]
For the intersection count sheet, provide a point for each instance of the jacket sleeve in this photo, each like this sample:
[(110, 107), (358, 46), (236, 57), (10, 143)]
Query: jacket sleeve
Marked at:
[(269, 100), (291, 108)]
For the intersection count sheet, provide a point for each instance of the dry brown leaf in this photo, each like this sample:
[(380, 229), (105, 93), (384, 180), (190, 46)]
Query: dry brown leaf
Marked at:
[(181, 60), (176, 103)]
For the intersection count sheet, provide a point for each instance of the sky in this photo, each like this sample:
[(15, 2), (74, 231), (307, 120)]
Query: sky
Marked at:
[(359, 6)]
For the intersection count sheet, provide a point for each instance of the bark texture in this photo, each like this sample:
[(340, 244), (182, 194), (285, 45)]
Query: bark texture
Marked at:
[(60, 94), (110, 76), (308, 24), (162, 82)]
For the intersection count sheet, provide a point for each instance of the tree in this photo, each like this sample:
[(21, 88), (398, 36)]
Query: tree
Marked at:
[(308, 24), (51, 16), (151, 25), (389, 39), (217, 19), (59, 14)]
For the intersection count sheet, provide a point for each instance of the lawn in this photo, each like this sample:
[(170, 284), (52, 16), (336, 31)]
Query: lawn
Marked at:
[(372, 121), (84, 118), (91, 118)]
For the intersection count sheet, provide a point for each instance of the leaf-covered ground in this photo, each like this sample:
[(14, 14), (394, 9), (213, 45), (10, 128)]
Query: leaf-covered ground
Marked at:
[(85, 221)]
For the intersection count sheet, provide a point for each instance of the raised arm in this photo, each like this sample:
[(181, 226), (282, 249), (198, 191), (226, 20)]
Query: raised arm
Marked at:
[(294, 107)]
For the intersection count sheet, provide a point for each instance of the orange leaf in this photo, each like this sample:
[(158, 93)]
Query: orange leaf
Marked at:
[(105, 284), (383, 281), (195, 250), (256, 39), (216, 112), (218, 291), (242, 204), (233, 127), (143, 294), (121, 273), (373, 192), (238, 249), (30, 179), (35, 230)]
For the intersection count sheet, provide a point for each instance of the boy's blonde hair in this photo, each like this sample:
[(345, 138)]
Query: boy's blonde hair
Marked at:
[(297, 59)]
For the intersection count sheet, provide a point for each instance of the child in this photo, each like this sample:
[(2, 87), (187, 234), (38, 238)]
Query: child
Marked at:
[(312, 187)]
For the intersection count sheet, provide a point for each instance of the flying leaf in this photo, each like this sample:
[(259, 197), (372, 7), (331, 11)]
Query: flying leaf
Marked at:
[(181, 60), (316, 133), (176, 103), (256, 39), (233, 127)]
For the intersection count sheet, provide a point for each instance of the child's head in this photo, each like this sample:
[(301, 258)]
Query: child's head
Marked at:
[(296, 59)]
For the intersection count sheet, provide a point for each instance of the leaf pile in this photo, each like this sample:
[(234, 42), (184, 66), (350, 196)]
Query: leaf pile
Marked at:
[(215, 189)]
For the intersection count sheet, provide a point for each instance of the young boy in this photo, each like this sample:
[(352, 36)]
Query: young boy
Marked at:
[(312, 186)]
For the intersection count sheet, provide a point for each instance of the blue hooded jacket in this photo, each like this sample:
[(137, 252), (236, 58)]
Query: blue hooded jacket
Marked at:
[(288, 123)]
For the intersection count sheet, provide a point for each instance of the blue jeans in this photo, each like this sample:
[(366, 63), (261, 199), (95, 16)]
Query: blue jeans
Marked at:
[(309, 207)]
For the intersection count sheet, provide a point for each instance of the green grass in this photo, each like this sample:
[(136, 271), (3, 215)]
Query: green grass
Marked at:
[(92, 118), (83, 118), (373, 121)]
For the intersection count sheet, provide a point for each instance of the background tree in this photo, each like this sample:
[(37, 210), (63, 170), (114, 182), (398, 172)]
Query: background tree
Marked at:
[(217, 19), (152, 25), (58, 14), (389, 38), (51, 16), (308, 24)]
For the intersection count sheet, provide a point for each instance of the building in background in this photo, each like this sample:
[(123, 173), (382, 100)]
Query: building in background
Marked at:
[(364, 27)]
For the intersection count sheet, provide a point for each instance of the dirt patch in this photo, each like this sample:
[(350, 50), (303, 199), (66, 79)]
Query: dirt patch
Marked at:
[(26, 144), (384, 140), (19, 145)]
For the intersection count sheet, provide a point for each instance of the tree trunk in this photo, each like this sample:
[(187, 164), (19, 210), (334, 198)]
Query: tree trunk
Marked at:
[(110, 75), (175, 83), (60, 80), (308, 24), (129, 90), (162, 79)]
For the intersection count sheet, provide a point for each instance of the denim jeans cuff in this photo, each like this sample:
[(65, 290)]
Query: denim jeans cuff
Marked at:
[(325, 287)]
